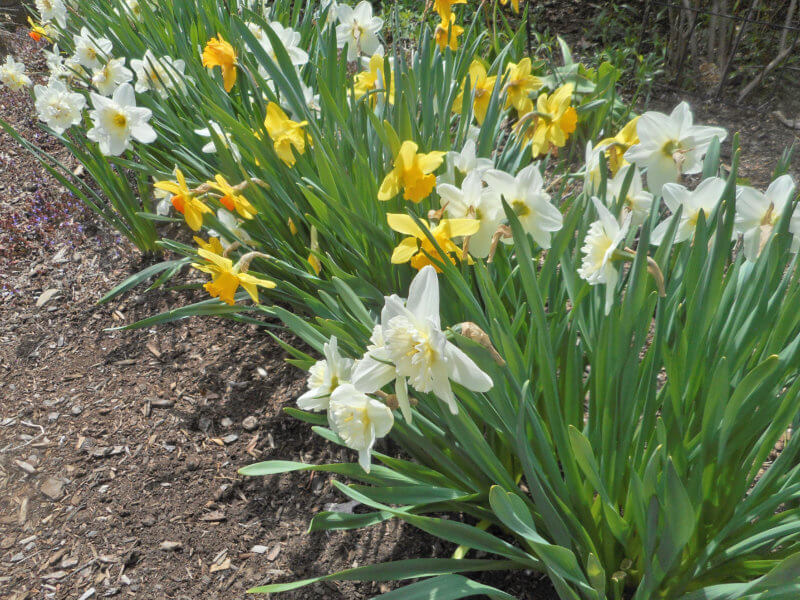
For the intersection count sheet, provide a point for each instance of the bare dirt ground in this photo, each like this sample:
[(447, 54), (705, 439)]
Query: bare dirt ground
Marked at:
[(119, 450)]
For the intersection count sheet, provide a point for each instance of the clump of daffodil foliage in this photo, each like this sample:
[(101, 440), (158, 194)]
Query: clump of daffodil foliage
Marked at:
[(581, 332)]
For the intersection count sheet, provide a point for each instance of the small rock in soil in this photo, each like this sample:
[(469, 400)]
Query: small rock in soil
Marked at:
[(161, 403), (250, 423), (169, 546), (52, 488), (229, 439)]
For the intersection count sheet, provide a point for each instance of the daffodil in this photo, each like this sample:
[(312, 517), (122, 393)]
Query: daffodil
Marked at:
[(757, 213), (482, 87), (373, 78), (637, 201), (514, 4), (447, 32), (519, 85), (358, 29), (232, 198), (227, 277), (89, 50), (473, 201), (285, 133), (419, 250), (41, 30), (671, 145), (616, 147), (704, 199), (57, 106), (412, 173), (463, 163), (52, 10), (184, 201), (212, 245), (117, 121), (602, 240), (445, 7), (12, 74), (555, 119), (219, 53), (358, 420), (409, 346), (325, 376)]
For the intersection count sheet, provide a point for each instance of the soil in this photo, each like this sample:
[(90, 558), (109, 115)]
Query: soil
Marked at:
[(119, 449)]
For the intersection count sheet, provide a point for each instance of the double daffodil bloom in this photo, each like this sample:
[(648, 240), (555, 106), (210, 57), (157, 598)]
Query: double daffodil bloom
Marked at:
[(412, 173), (555, 118), (373, 78), (615, 147), (447, 33), (445, 7), (184, 201), (413, 249), (219, 53), (232, 199), (519, 85), (227, 277), (285, 133), (482, 86)]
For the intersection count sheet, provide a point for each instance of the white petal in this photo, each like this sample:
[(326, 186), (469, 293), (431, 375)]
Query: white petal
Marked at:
[(463, 370), (423, 296)]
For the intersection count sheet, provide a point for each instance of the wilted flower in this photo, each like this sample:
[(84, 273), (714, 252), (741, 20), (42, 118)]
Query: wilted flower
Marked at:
[(482, 87), (602, 240), (12, 74), (358, 29), (412, 173), (91, 50), (519, 85), (227, 277), (111, 75), (219, 53), (52, 10), (463, 163), (57, 106), (184, 201), (757, 213), (285, 133), (325, 376), (117, 120), (157, 74), (447, 32), (409, 345), (671, 145), (526, 196), (704, 200), (418, 249), (637, 201), (358, 420), (474, 201), (555, 119)]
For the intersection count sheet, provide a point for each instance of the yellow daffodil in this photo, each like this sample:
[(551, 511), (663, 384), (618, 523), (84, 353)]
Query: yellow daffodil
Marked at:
[(445, 7), (482, 86), (555, 120), (447, 33), (413, 249), (285, 133), (184, 201), (219, 53), (616, 146), (227, 277), (212, 245), (519, 85), (514, 4), (413, 173), (39, 31), (373, 79), (232, 198)]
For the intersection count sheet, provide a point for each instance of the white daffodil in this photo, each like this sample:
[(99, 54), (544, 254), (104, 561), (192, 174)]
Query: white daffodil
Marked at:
[(12, 74), (603, 238), (157, 74), (56, 65), (324, 376), (591, 171), (52, 10), (232, 224), (113, 74), (409, 345), (526, 196), (637, 201), (671, 145), (117, 120), (90, 51), (473, 201), (704, 200), (358, 29), (222, 135), (57, 106), (332, 7), (464, 163), (757, 213), (358, 420), (290, 39), (134, 9)]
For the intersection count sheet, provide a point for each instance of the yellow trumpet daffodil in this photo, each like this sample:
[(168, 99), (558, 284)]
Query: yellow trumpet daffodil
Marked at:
[(519, 85), (413, 249), (232, 198), (555, 120), (227, 277), (373, 79), (482, 86), (445, 7), (219, 53), (447, 33), (285, 133), (412, 172), (616, 146), (212, 245), (184, 201)]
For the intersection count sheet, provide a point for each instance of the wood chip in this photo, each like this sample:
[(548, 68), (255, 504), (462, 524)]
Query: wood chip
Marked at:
[(46, 296), (213, 516), (224, 566), (169, 546), (25, 466)]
